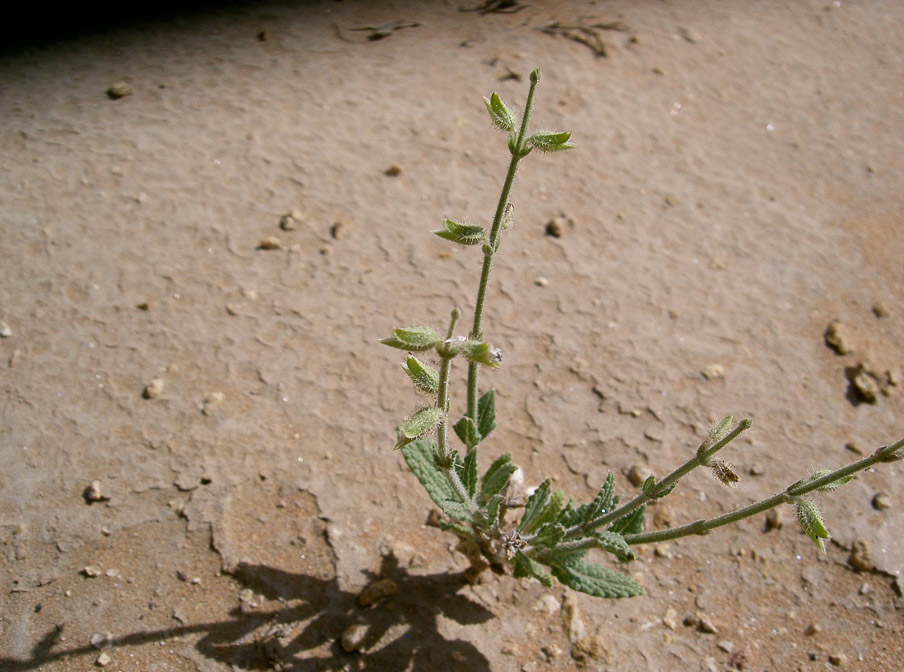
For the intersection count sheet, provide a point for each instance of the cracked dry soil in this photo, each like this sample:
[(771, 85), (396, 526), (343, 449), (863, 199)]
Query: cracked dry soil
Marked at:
[(196, 417)]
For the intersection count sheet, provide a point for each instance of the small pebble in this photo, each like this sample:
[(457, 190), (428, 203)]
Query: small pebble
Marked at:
[(100, 641), (713, 371), (838, 659), (670, 618), (336, 230), (377, 591), (836, 337), (638, 474), (119, 90), (879, 310), (726, 645), (288, 221), (774, 520), (269, 243), (881, 502), (353, 637), (5, 331), (93, 493), (91, 571), (211, 401), (860, 557), (153, 389), (541, 282), (854, 447), (554, 228), (103, 659), (864, 381), (144, 305), (393, 171), (812, 629)]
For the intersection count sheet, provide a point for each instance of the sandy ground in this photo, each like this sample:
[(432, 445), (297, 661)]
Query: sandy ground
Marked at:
[(737, 186)]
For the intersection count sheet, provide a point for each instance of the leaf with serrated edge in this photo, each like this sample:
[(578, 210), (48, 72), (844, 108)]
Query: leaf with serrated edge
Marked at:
[(467, 431), (497, 477), (493, 508), (486, 413), (542, 507), (525, 567), (596, 580), (548, 535), (469, 472), (630, 524), (603, 502), (421, 459)]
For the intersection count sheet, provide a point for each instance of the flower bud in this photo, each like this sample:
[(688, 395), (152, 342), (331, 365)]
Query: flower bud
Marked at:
[(413, 339), (420, 422), (482, 353)]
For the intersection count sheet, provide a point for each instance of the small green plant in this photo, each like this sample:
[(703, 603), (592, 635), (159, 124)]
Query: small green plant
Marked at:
[(552, 537)]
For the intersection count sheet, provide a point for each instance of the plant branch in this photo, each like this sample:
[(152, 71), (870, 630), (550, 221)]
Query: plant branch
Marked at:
[(795, 490), (663, 487), (489, 250)]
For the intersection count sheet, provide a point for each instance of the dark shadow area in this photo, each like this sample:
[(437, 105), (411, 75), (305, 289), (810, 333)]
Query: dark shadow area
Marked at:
[(41, 25), (318, 612)]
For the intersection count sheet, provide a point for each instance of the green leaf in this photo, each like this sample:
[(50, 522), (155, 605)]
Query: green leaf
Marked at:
[(486, 413), (548, 536), (413, 339), (832, 485), (482, 353), (462, 234), (595, 580), (497, 477), (466, 430), (468, 472), (550, 142), (716, 433), (492, 510), (525, 567), (543, 506), (460, 530), (421, 457), (810, 519), (424, 377), (614, 543), (603, 503), (630, 524), (420, 422), (503, 118)]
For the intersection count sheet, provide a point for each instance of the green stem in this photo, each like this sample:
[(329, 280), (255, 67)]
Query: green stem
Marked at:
[(442, 395), (664, 486), (792, 492), (519, 151)]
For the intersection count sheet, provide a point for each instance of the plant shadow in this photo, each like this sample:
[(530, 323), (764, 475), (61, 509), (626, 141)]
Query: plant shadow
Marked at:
[(401, 631)]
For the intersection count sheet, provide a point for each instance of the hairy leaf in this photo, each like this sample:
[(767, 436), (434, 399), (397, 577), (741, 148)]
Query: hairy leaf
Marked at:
[(466, 430), (424, 377), (614, 543), (421, 457), (548, 536), (420, 422), (810, 519), (550, 142), (462, 234), (497, 477), (458, 529), (501, 115), (486, 413), (595, 580), (630, 524), (413, 339), (492, 510), (542, 507), (603, 502), (468, 472), (525, 567)]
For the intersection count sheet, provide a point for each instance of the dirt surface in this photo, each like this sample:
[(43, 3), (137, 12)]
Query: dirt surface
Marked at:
[(737, 186)]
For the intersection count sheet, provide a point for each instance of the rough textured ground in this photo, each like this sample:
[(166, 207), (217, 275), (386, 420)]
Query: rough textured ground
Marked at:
[(737, 186)]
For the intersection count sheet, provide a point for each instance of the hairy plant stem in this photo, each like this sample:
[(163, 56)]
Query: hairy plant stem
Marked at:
[(663, 487), (790, 494), (519, 151)]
